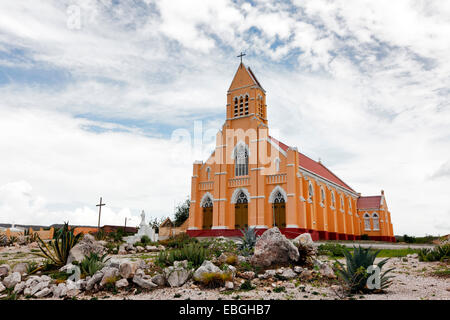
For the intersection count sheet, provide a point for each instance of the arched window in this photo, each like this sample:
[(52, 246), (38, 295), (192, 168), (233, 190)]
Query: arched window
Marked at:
[(277, 164), (366, 221), (342, 203), (207, 203), (241, 161), (236, 107), (350, 204), (322, 195), (310, 191), (278, 198), (246, 104), (333, 200), (242, 198), (208, 173), (375, 221), (241, 106)]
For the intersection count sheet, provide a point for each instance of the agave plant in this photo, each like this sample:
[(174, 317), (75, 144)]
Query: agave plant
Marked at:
[(248, 239), (58, 249), (92, 263), (355, 274), (3, 240)]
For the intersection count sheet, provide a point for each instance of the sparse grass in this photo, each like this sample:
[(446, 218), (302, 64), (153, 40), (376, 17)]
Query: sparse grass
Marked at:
[(391, 253), (444, 272), (247, 285)]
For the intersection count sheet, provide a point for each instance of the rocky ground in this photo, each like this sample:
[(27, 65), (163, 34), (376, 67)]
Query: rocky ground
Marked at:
[(130, 274)]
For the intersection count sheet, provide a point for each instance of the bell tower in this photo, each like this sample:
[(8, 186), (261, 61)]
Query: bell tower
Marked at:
[(246, 98)]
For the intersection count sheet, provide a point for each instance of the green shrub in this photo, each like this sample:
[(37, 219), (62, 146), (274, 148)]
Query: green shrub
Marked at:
[(57, 250), (92, 263), (215, 279), (331, 249), (193, 253), (178, 241), (355, 275), (365, 237), (439, 253), (145, 240)]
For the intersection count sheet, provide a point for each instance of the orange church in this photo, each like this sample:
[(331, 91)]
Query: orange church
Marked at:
[(253, 180)]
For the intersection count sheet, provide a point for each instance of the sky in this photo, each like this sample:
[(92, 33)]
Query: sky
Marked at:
[(101, 97)]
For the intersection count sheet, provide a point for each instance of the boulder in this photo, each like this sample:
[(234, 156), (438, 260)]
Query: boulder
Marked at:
[(128, 269), (43, 293), (11, 280), (267, 274), (273, 248), (18, 288), (122, 249), (21, 268), (151, 249), (4, 270), (177, 275), (2, 287), (206, 267), (288, 274), (143, 282), (159, 279), (122, 283), (38, 287), (59, 291), (110, 275), (86, 246), (298, 269), (96, 278), (304, 239), (326, 271)]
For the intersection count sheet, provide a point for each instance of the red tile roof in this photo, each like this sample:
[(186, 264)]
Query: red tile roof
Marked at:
[(315, 167), (369, 202)]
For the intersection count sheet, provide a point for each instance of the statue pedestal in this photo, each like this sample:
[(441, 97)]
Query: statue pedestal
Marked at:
[(144, 230)]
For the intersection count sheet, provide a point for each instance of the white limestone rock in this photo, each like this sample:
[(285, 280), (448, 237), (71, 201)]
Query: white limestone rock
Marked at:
[(159, 279), (109, 274), (206, 267), (21, 268), (96, 278), (122, 283), (4, 270), (11, 280), (43, 293), (18, 288), (127, 269), (143, 283), (85, 247)]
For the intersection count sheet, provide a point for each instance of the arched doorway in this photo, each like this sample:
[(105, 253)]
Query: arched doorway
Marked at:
[(279, 211), (207, 213), (241, 211)]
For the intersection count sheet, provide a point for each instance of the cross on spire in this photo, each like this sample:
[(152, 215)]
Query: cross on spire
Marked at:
[(241, 55)]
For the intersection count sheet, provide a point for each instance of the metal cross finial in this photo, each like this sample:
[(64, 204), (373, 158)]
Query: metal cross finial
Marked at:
[(241, 55)]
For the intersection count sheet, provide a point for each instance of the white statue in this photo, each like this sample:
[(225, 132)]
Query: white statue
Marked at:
[(144, 230)]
